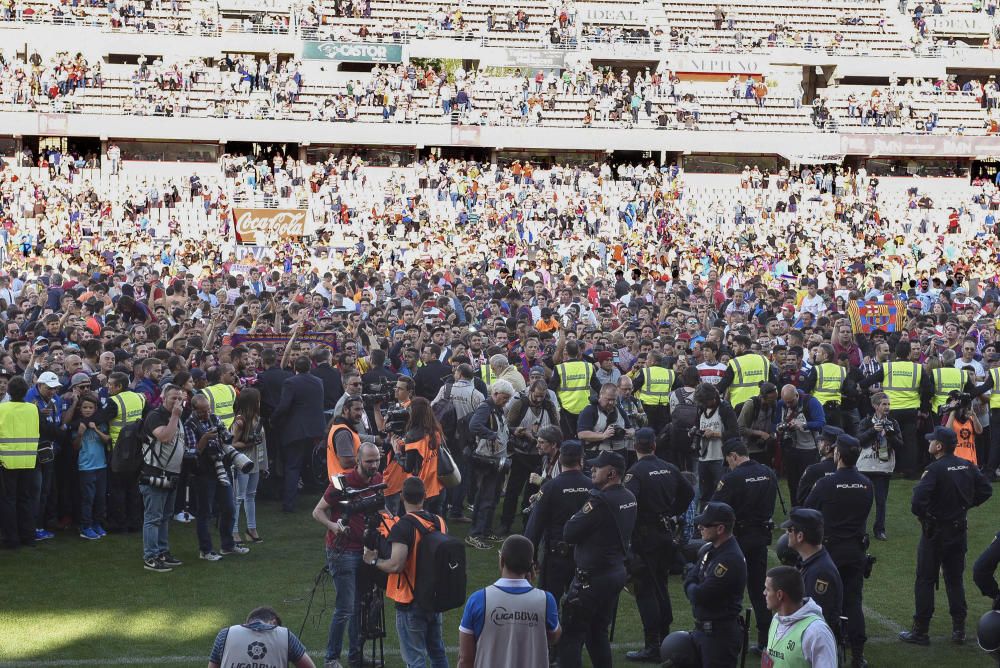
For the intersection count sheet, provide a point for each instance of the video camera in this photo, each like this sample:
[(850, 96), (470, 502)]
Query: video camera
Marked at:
[(367, 501), (378, 392), (396, 419), (957, 400)]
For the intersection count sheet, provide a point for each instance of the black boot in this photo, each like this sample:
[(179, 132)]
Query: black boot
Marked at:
[(648, 654), (917, 635), (958, 631)]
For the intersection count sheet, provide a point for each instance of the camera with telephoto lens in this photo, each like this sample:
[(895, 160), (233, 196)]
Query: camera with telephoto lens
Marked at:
[(885, 423), (158, 478), (223, 456), (396, 419), (957, 400)]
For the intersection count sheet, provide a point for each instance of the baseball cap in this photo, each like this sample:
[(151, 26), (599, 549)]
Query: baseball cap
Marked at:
[(645, 435), (945, 435), (49, 379), (831, 433), (734, 445), (607, 458), (715, 512), (848, 440), (804, 519), (79, 379), (571, 448)]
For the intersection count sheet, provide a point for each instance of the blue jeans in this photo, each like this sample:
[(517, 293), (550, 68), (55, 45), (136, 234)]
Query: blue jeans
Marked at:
[(420, 637), (156, 504), (246, 496), (343, 567), (93, 497), (214, 497)]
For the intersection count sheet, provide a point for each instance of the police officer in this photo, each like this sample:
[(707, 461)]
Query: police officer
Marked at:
[(824, 467), (714, 585), (826, 381), (946, 491), (845, 499), (804, 528), (662, 493), (745, 373), (558, 500), (601, 532), (653, 386), (750, 488), (983, 572)]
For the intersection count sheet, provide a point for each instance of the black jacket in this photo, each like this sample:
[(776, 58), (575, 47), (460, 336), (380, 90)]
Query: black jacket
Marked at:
[(333, 385), (299, 413), (430, 377), (269, 382)]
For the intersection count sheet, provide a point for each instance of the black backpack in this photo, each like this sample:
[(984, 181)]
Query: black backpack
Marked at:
[(683, 416), (126, 456), (440, 573)]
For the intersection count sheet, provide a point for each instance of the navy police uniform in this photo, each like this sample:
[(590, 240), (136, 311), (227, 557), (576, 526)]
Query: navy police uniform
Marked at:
[(715, 585), (559, 499), (820, 577), (821, 469), (984, 569), (751, 490), (662, 493), (845, 499), (600, 531), (947, 489)]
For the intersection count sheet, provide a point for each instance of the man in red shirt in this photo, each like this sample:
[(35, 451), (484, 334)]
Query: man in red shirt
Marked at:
[(344, 547)]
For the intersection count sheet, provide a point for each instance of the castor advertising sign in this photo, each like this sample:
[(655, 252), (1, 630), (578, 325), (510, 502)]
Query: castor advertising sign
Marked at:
[(258, 226)]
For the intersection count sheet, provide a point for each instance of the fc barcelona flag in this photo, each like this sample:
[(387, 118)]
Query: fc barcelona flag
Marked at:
[(888, 315)]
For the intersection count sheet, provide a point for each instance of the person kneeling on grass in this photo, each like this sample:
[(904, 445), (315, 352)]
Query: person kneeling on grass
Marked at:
[(262, 641)]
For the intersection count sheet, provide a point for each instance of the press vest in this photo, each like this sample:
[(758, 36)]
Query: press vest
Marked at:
[(514, 628), (657, 382), (966, 433), (130, 405), (333, 466), (259, 649), (221, 399), (19, 431), (399, 587), (946, 381), (829, 383), (574, 385), (901, 382), (786, 652), (749, 371)]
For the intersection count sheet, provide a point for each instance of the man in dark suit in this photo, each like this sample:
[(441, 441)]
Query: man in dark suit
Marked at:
[(333, 384), (299, 415), (269, 383), (433, 373)]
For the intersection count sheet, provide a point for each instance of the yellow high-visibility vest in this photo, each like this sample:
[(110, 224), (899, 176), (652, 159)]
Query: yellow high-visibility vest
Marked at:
[(901, 382), (574, 385), (995, 395), (486, 373), (656, 384), (19, 432), (829, 382), (749, 371), (947, 381), (221, 399), (130, 405)]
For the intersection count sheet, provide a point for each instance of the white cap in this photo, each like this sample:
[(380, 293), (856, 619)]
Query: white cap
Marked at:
[(50, 379)]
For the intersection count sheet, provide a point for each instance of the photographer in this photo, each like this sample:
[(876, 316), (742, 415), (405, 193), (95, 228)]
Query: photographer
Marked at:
[(394, 473), (363, 426), (966, 424), (800, 418), (419, 449), (601, 426), (343, 441), (880, 437), (163, 435), (527, 414), (344, 547), (489, 460), (261, 636), (206, 434)]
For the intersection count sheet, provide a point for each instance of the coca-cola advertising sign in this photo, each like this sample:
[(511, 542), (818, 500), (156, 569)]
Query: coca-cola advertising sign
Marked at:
[(260, 226)]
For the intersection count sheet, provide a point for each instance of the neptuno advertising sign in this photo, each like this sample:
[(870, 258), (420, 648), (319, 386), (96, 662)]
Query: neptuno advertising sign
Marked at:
[(353, 52), (258, 226)]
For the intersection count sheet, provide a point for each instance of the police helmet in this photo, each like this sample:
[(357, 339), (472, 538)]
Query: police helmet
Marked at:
[(786, 555), (678, 650), (988, 631)]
